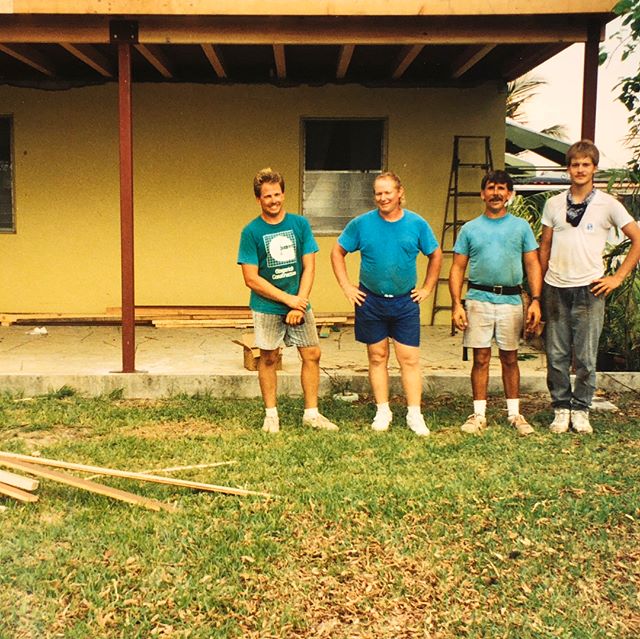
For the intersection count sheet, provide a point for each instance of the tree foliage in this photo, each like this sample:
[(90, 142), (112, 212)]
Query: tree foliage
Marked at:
[(519, 93), (630, 85)]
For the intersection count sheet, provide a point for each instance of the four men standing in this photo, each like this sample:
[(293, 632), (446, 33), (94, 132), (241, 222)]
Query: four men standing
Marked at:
[(277, 255)]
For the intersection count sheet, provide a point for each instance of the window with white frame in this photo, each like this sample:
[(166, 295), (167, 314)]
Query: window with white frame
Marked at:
[(341, 159), (7, 224)]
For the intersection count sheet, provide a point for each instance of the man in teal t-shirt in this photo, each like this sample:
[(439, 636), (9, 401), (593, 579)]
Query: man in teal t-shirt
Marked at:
[(277, 256), (495, 245)]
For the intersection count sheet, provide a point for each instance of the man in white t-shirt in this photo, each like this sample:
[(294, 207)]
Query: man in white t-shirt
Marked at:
[(576, 224)]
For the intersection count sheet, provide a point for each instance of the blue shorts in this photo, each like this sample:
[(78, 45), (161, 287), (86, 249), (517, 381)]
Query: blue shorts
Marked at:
[(380, 317)]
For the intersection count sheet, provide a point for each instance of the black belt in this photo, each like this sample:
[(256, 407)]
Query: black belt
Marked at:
[(498, 289)]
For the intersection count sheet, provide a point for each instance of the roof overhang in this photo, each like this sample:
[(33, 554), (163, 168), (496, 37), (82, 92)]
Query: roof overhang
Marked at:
[(376, 42), (520, 138)]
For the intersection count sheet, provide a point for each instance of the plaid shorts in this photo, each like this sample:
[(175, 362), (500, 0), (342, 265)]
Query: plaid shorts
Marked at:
[(271, 331)]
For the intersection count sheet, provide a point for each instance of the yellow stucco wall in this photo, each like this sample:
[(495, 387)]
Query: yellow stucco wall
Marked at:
[(196, 149)]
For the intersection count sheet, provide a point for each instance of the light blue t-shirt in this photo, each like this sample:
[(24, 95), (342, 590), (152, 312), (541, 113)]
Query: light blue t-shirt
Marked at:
[(495, 247), (388, 250), (277, 250)]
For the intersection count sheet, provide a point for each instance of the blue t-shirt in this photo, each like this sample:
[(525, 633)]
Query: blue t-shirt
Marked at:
[(388, 250), (277, 250), (494, 247)]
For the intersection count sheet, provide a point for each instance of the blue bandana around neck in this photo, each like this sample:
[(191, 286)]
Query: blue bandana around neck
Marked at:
[(576, 210)]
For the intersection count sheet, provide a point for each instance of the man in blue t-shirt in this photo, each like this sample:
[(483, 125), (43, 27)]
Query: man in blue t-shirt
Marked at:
[(495, 245), (387, 300), (277, 256)]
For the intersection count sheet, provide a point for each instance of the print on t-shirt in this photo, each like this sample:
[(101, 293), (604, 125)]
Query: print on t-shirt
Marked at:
[(281, 248)]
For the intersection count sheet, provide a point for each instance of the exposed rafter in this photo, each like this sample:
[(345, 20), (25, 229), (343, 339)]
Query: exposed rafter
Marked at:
[(154, 55), (91, 57), (469, 58), (215, 59), (406, 57), (281, 63), (344, 60), (529, 60), (29, 56)]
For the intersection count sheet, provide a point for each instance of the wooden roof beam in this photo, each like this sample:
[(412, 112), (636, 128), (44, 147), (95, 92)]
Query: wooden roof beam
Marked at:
[(153, 54), (306, 8), (29, 56), (280, 60), (316, 30), (406, 57), (215, 59), (469, 59), (344, 60), (91, 57)]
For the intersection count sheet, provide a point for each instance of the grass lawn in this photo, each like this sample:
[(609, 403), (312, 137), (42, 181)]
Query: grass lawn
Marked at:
[(381, 535)]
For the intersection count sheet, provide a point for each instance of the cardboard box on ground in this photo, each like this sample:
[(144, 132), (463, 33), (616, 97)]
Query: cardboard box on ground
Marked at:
[(251, 354)]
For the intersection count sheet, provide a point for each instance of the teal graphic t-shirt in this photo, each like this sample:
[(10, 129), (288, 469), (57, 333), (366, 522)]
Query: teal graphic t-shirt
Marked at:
[(277, 250)]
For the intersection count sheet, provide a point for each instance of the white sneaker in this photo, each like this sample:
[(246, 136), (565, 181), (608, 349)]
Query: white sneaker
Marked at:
[(521, 425), (417, 425), (474, 424), (560, 423), (271, 424), (320, 422), (381, 422), (580, 422)]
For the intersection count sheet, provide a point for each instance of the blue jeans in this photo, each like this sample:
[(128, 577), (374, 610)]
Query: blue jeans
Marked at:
[(574, 318)]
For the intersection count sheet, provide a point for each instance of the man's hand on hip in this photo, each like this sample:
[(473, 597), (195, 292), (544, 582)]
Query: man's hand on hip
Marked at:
[(354, 294), (604, 285), (419, 295)]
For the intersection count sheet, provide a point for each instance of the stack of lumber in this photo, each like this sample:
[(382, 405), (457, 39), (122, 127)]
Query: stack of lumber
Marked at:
[(165, 316), (21, 488), (74, 319)]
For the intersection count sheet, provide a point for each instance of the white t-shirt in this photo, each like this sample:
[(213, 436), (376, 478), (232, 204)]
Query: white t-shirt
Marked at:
[(576, 252)]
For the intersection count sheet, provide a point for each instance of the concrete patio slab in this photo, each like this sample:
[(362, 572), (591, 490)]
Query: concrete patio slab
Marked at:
[(205, 360)]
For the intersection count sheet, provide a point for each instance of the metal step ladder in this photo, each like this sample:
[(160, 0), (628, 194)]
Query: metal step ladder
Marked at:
[(470, 160)]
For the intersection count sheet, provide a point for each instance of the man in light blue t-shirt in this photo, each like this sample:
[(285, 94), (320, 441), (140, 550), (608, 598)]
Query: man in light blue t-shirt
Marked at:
[(387, 300), (495, 245), (277, 254)]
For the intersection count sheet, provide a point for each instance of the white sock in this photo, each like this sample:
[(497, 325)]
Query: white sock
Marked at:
[(383, 409), (513, 407), (310, 413), (480, 407), (413, 412), (271, 412)]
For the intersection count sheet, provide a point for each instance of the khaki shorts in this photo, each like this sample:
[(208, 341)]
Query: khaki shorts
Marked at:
[(487, 321), (271, 331)]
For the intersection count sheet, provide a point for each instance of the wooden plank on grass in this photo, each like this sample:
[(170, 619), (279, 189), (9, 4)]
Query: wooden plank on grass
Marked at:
[(25, 483), (113, 472), (76, 482), (16, 493), (175, 469)]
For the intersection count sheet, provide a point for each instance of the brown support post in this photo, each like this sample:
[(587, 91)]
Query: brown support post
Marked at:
[(590, 81), (126, 207)]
